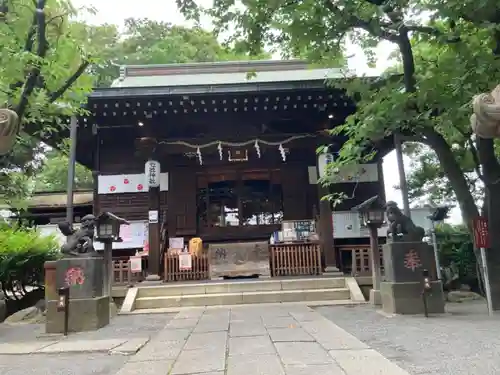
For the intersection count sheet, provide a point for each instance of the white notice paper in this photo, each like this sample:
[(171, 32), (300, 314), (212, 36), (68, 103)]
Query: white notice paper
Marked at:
[(135, 264), (176, 243), (185, 262), (153, 217)]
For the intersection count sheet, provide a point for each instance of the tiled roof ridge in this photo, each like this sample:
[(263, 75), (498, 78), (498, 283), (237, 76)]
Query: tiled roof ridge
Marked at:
[(243, 66)]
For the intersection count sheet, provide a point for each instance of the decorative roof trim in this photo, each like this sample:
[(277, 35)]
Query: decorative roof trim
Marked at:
[(123, 92)]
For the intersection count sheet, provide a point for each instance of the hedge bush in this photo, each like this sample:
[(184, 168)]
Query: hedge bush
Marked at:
[(456, 254), (23, 253)]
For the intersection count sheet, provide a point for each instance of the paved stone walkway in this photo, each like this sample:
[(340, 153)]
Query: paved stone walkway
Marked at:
[(124, 336), (256, 340)]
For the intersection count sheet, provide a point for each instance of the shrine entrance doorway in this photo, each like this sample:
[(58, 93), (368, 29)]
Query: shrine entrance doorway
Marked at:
[(239, 204)]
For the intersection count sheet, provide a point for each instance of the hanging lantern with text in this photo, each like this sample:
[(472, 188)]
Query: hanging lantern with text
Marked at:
[(152, 173), (323, 160)]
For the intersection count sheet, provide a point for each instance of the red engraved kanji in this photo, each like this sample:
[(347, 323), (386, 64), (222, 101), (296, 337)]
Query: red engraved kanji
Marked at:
[(140, 187), (74, 276), (112, 188), (126, 181), (412, 261)]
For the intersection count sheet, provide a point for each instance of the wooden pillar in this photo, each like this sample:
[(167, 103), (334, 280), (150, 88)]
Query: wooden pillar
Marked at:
[(50, 281), (154, 235), (325, 227), (375, 298), (152, 174)]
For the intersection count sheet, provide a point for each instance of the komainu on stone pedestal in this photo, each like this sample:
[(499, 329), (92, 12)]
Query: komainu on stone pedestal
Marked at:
[(401, 227), (81, 241), (82, 271), (88, 304), (401, 291)]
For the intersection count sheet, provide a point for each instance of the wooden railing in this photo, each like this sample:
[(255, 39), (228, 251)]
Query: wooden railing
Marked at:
[(200, 269), (361, 264), (122, 275), (295, 259)]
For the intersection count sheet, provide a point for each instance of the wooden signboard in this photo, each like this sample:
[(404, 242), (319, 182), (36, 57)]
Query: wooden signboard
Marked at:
[(239, 259)]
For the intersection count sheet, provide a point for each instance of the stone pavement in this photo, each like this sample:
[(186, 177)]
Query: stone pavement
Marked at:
[(124, 336), (256, 340)]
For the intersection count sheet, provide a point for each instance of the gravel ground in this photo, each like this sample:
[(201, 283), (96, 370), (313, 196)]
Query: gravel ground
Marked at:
[(463, 341)]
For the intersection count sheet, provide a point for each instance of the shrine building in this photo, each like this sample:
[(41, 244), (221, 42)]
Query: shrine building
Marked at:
[(209, 151)]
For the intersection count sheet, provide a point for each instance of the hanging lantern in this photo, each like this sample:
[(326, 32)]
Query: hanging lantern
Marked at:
[(323, 160), (9, 126), (153, 169)]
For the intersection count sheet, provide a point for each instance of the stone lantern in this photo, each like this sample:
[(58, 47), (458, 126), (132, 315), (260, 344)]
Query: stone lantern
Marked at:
[(372, 215)]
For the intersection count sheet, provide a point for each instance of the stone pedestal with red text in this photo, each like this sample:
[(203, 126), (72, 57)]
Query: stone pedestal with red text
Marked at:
[(402, 285), (88, 300)]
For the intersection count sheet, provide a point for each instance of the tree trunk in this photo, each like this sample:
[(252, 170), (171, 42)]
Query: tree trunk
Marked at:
[(455, 175), (491, 174)]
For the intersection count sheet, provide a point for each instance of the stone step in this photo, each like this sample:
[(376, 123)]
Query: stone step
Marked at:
[(213, 299), (239, 287)]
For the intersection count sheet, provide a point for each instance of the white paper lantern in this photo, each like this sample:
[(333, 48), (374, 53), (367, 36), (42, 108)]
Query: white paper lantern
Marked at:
[(323, 160), (153, 170)]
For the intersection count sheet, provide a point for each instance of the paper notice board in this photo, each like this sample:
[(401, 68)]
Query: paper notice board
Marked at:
[(185, 262), (136, 264)]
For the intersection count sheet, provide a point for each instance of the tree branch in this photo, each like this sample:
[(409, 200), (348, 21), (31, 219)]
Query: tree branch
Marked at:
[(41, 52), (475, 157), (69, 82), (28, 47), (30, 38), (356, 22), (424, 29)]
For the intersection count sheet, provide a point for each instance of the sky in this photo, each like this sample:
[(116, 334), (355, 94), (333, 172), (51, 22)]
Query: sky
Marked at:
[(116, 11)]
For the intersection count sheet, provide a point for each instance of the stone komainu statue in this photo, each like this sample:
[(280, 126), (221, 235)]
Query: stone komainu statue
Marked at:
[(485, 121), (9, 126), (401, 227), (80, 241)]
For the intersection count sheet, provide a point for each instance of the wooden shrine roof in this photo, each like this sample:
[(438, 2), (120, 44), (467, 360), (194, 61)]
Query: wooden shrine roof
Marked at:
[(222, 73), (58, 199)]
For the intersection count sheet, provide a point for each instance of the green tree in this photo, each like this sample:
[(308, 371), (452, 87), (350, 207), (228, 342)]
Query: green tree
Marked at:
[(145, 41), (43, 77), (443, 62), (142, 42), (427, 182), (53, 176), (433, 112)]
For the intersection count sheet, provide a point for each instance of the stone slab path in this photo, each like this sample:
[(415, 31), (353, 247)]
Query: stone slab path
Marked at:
[(256, 340), (123, 346)]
